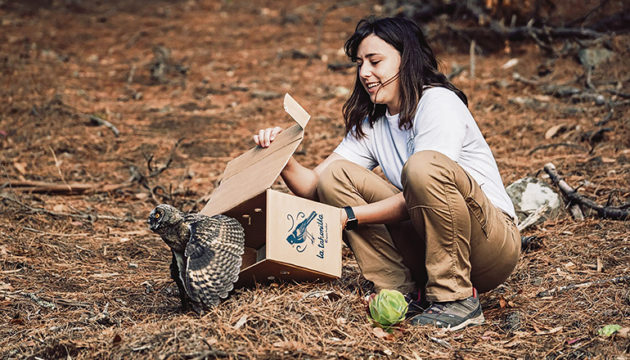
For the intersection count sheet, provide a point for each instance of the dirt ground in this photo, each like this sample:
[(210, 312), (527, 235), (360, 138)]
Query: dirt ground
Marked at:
[(82, 277)]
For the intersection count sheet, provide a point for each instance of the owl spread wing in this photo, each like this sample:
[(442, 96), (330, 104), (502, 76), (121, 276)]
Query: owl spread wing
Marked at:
[(213, 258)]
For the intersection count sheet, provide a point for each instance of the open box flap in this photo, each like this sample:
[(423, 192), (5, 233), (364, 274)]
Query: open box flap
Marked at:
[(256, 170)]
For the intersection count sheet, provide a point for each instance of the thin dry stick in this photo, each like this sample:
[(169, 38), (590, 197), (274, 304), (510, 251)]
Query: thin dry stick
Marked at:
[(531, 219), (132, 71), (59, 168), (90, 217), (618, 279), (98, 121)]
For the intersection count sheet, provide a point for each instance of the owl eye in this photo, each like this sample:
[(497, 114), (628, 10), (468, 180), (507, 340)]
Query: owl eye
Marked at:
[(157, 215)]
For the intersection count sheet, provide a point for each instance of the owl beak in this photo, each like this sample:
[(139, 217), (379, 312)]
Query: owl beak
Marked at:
[(152, 225), (152, 221)]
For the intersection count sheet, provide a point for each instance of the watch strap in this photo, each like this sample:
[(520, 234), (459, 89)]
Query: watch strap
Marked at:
[(352, 222)]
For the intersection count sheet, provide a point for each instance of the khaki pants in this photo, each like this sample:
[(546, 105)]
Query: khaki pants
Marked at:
[(455, 239)]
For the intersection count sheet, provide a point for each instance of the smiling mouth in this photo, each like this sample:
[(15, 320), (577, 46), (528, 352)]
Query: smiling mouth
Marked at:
[(371, 86)]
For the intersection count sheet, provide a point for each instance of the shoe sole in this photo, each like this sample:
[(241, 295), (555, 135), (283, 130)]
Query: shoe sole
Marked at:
[(477, 320)]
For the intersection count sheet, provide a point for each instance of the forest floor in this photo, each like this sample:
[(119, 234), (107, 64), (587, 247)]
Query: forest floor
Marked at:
[(81, 276)]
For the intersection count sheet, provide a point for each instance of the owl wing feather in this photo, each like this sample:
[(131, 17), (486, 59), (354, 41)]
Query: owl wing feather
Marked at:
[(213, 257)]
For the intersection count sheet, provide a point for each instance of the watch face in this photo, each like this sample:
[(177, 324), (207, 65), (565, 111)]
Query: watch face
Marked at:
[(352, 224)]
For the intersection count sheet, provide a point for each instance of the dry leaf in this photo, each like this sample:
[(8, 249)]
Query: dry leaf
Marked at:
[(522, 333), (141, 196), (240, 322), (16, 321), (573, 341), (488, 335), (60, 208), (5, 287), (512, 343), (382, 334), (549, 332), (542, 98), (20, 167), (289, 345), (502, 302), (554, 130)]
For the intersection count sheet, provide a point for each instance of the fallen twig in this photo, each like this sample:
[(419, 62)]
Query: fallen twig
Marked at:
[(574, 209), (84, 216), (153, 172), (40, 302), (618, 93), (58, 167), (606, 212), (530, 30), (444, 343), (556, 290), (518, 77), (531, 219), (98, 121), (47, 187), (56, 188)]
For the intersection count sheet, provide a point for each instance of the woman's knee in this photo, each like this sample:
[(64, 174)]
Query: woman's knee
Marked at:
[(423, 168), (333, 180)]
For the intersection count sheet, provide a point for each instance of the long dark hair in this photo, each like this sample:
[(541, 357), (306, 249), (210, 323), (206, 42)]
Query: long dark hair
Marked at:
[(418, 68)]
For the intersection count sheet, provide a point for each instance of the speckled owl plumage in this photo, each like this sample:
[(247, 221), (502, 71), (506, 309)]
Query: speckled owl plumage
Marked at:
[(206, 254)]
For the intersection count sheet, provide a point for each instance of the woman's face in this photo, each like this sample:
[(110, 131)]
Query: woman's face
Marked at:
[(379, 64)]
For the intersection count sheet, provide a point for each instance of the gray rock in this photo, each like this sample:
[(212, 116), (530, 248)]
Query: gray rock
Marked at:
[(529, 194), (594, 56)]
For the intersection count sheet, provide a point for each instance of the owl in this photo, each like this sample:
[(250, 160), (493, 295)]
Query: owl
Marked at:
[(206, 254)]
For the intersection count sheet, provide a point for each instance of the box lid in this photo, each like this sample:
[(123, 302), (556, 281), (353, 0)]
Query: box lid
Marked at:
[(256, 170)]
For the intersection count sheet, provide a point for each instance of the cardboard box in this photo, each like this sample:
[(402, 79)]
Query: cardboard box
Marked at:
[(286, 237)]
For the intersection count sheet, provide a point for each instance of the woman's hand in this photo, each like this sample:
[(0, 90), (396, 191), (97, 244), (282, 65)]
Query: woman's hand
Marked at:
[(344, 218), (266, 136)]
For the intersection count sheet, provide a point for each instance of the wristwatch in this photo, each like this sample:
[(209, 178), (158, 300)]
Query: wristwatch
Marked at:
[(352, 222)]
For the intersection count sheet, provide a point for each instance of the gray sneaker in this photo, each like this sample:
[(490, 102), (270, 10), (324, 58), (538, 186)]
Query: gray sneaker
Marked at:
[(452, 315)]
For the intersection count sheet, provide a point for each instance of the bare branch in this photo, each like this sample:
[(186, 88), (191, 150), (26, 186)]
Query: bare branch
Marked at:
[(574, 198)]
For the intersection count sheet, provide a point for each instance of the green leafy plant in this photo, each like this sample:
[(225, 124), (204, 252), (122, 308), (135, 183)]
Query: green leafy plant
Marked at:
[(388, 308), (608, 330)]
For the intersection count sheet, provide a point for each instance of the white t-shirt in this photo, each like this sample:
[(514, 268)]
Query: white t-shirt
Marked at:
[(442, 123)]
